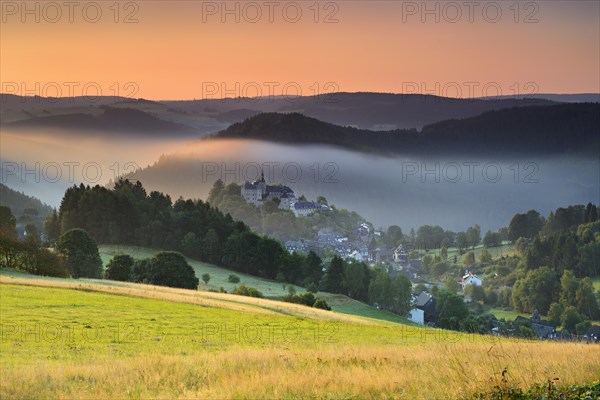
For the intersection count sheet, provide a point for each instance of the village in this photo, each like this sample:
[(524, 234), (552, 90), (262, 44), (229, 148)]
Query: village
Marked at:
[(360, 246)]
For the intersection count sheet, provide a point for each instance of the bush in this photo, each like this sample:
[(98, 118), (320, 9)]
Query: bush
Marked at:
[(119, 268), (307, 299), (233, 278), (244, 290), (170, 268), (582, 327), (322, 304), (440, 268), (46, 263), (548, 390), (141, 273), (205, 278)]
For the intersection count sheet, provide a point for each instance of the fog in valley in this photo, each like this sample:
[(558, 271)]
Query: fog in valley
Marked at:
[(452, 192), (44, 165)]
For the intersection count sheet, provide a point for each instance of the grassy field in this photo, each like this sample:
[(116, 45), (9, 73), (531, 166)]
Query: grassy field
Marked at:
[(85, 339), (508, 315), (271, 289), (596, 282)]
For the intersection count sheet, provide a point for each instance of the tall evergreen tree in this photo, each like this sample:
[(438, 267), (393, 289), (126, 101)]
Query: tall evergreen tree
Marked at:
[(334, 277)]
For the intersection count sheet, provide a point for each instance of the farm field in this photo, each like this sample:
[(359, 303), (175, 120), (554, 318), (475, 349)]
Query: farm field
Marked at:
[(271, 289), (83, 339)]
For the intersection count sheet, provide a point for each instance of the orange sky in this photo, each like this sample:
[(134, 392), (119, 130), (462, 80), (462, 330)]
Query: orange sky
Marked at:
[(176, 49)]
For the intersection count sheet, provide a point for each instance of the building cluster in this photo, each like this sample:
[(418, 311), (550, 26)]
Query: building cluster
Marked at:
[(258, 192)]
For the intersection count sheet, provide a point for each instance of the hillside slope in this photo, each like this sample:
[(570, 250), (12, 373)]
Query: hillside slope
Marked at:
[(270, 289), (111, 120), (555, 129), (110, 342)]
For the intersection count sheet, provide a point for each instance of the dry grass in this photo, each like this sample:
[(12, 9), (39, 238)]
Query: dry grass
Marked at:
[(172, 359), (432, 371)]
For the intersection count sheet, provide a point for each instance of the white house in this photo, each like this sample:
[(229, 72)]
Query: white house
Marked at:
[(470, 279), (304, 208), (356, 255), (417, 316)]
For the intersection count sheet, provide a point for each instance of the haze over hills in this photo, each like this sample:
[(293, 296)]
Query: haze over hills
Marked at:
[(111, 120), (535, 130), (374, 111), (560, 98)]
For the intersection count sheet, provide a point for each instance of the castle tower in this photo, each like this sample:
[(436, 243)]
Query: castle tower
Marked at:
[(261, 183)]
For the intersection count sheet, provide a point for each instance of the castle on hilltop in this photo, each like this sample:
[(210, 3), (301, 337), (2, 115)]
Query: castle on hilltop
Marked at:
[(258, 192)]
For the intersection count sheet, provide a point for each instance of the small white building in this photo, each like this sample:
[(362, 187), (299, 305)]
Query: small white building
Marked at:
[(470, 279), (304, 208), (356, 255), (417, 316)]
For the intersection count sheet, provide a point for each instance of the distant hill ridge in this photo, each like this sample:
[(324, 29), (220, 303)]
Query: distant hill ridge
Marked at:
[(535, 129), (363, 110), (18, 202), (113, 119)]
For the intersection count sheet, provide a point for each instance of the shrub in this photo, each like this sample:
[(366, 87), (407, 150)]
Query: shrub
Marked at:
[(205, 278), (140, 271), (322, 304), (119, 268), (244, 290), (170, 268), (548, 390), (46, 263), (307, 299), (233, 278)]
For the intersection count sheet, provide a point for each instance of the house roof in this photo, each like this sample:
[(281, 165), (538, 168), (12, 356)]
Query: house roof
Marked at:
[(278, 189), (542, 330), (384, 252), (422, 299), (594, 330), (307, 205), (469, 276)]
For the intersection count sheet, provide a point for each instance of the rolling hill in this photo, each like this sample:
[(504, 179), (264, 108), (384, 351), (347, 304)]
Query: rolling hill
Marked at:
[(19, 202), (270, 289), (374, 111), (111, 120), (85, 339), (554, 129)]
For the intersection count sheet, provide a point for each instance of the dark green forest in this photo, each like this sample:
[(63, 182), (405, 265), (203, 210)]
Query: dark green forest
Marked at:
[(548, 129)]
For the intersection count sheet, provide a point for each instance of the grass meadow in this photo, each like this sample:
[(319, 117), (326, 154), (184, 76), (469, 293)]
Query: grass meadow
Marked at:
[(271, 289), (83, 339)]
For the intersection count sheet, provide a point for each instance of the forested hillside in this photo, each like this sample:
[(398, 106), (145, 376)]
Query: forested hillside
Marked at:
[(551, 129)]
